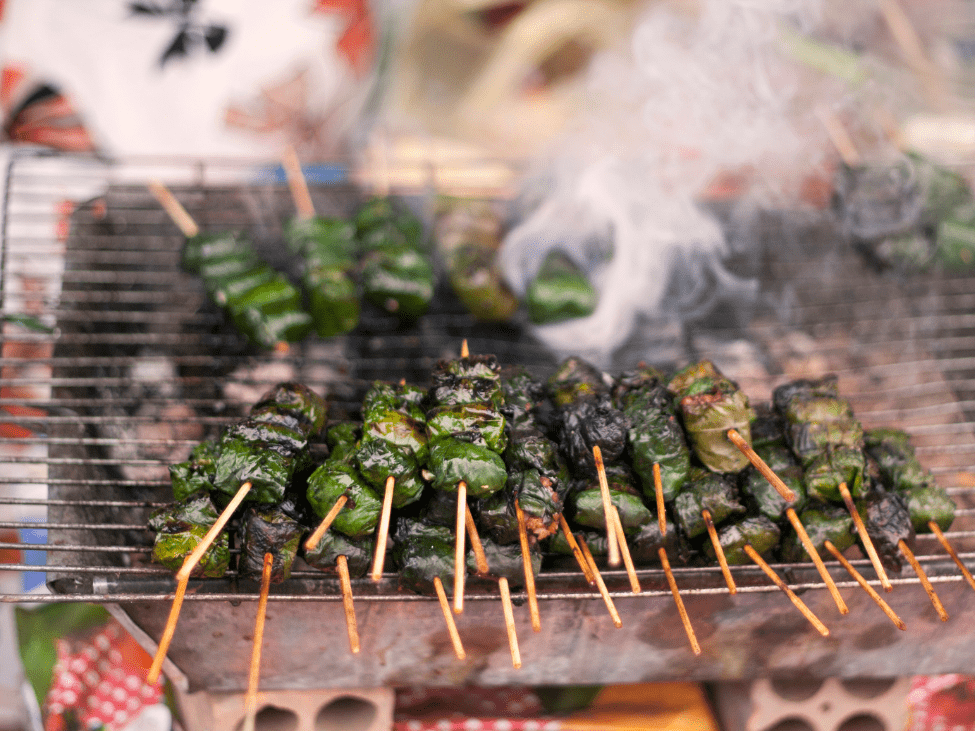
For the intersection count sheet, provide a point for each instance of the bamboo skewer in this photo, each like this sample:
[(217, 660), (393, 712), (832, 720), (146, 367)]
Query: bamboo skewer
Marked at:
[(625, 552), (839, 136), (925, 582), (681, 610), (789, 495), (382, 533), (326, 523), (480, 558), (951, 552), (526, 561), (799, 604), (465, 352), (345, 582), (174, 209), (297, 184), (658, 488), (448, 616), (719, 552), (509, 622), (460, 565), (601, 585), (871, 592), (817, 559), (250, 700), (739, 441), (865, 537), (183, 578), (152, 677), (611, 542), (576, 551)]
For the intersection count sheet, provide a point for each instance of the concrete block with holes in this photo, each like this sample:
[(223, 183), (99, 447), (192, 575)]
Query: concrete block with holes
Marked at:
[(813, 705)]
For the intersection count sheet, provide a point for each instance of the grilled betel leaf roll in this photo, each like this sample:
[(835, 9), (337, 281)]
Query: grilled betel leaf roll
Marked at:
[(823, 522), (423, 551), (816, 418), (358, 552), (195, 474), (267, 529), (900, 471), (560, 291), (587, 501), (506, 560), (329, 482), (709, 406), (453, 459), (328, 249), (180, 527), (756, 531), (705, 490)]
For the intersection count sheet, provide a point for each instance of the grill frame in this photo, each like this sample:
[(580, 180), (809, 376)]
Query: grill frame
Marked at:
[(897, 336)]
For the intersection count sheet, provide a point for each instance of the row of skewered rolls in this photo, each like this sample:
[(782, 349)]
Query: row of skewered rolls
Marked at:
[(510, 436)]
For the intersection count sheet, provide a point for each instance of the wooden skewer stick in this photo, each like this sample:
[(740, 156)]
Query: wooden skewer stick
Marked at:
[(448, 616), (658, 488), (739, 441), (625, 552), (477, 547), (600, 584), (183, 578), (613, 549), (719, 552), (526, 561), (297, 184), (799, 604), (464, 350), (681, 610), (951, 552), (839, 136), (174, 209), (326, 523), (345, 582), (382, 532), (817, 559), (576, 551), (152, 676), (509, 621), (460, 564), (925, 582), (211, 535), (865, 537), (250, 700), (871, 592)]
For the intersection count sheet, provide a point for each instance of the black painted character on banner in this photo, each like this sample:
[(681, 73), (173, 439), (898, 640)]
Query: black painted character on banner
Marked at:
[(191, 34)]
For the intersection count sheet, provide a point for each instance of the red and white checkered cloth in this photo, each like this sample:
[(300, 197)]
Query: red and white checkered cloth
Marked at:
[(471, 709), (99, 681)]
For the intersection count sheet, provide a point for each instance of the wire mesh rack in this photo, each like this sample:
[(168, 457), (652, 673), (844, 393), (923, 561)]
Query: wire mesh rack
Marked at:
[(115, 365)]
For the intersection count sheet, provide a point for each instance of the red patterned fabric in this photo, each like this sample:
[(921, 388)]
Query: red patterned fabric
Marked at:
[(942, 703), (471, 709), (99, 681)]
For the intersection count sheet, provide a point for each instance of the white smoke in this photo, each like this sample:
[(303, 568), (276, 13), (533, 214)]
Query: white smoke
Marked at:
[(703, 89)]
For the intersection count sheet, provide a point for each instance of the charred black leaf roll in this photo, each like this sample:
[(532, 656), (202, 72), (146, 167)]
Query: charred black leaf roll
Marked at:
[(465, 427), (394, 440), (537, 474), (505, 560), (655, 435), (888, 522), (710, 405), (423, 551), (824, 435), (899, 471), (357, 551), (329, 251), (397, 273), (585, 415), (263, 304), (179, 529), (268, 529)]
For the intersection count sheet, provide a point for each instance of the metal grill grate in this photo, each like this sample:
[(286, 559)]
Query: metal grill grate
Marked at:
[(137, 368)]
